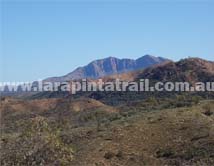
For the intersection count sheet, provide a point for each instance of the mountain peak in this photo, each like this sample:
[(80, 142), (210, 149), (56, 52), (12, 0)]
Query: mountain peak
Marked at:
[(149, 56), (111, 57), (108, 66)]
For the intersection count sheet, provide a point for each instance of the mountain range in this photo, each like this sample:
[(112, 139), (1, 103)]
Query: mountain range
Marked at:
[(108, 66)]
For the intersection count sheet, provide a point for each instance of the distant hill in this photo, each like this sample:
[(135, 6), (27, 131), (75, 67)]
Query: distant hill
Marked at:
[(186, 70), (191, 70), (109, 66)]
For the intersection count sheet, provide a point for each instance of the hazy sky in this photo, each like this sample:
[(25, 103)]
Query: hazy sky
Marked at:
[(42, 38)]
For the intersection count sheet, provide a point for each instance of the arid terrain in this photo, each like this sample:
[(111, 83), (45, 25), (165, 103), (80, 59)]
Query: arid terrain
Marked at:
[(87, 132), (114, 128)]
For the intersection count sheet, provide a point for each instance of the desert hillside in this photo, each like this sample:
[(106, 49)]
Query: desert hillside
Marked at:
[(64, 132)]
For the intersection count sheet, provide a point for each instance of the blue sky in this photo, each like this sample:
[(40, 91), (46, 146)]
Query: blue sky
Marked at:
[(52, 37)]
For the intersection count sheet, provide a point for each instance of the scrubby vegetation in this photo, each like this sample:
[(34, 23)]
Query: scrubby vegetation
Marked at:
[(37, 144), (154, 131)]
